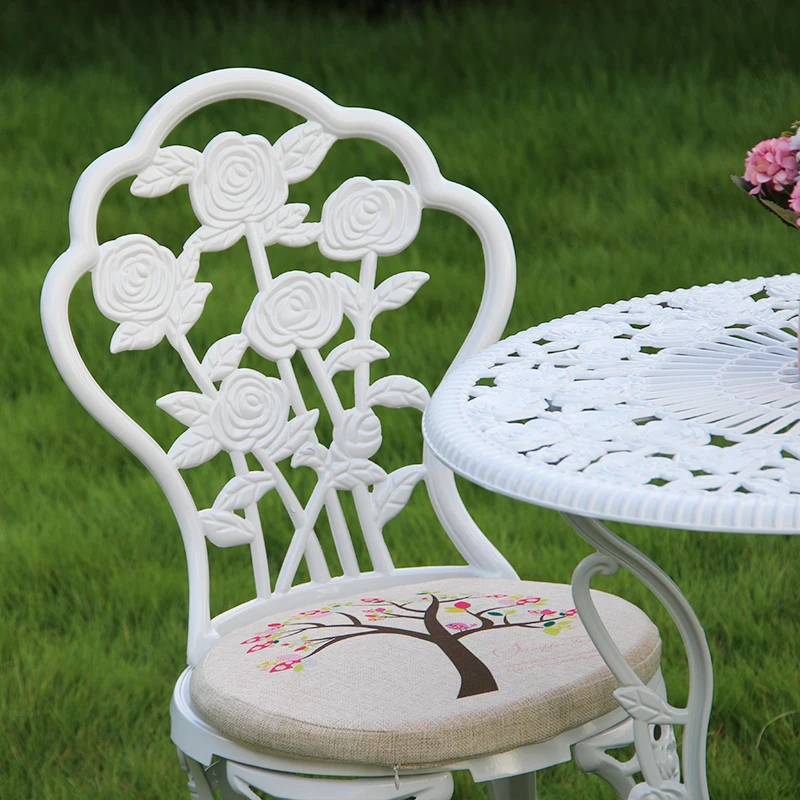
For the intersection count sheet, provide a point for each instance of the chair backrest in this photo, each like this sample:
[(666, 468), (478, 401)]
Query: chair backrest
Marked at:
[(238, 188)]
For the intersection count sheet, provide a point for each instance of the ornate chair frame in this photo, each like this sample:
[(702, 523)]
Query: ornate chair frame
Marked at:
[(238, 769)]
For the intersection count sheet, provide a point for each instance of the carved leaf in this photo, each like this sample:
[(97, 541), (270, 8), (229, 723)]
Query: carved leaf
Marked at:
[(189, 305), (137, 336), (396, 291), (645, 705), (241, 491), (188, 264), (299, 431), (398, 391), (172, 167), (195, 446), (348, 473), (286, 220), (226, 529), (390, 497), (350, 354), (302, 235), (350, 294), (310, 455), (302, 149), (213, 239), (223, 357), (190, 408)]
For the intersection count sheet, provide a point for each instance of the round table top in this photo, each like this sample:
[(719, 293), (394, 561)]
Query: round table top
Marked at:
[(680, 409)]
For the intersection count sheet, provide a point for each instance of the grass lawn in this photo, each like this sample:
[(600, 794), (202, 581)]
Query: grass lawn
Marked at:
[(603, 132)]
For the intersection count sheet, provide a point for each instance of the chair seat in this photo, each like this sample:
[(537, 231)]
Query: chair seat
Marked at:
[(419, 674)]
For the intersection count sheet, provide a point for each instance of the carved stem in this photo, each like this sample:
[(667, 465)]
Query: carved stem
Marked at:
[(378, 552), (258, 255), (366, 286), (339, 529), (301, 537), (315, 558), (258, 548)]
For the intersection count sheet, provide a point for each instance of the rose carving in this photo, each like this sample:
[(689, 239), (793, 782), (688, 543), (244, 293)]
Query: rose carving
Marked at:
[(298, 310), (358, 435), (250, 411), (135, 280), (239, 179), (364, 216)]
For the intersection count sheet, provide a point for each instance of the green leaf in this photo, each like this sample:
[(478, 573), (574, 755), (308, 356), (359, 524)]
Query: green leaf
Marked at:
[(744, 185), (785, 215), (777, 203)]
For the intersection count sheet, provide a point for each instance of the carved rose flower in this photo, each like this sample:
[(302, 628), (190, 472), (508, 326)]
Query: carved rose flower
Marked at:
[(298, 310), (251, 411), (239, 179), (135, 280), (358, 435), (364, 216)]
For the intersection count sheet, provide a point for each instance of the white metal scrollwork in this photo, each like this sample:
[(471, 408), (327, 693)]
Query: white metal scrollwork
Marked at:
[(657, 755), (238, 187)]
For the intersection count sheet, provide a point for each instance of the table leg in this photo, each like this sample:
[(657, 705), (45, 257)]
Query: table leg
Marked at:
[(646, 708)]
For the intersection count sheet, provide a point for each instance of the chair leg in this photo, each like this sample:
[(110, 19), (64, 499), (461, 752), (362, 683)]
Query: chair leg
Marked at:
[(519, 787), (591, 757), (198, 785)]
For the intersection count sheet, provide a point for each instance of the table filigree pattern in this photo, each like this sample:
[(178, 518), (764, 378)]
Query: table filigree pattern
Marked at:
[(687, 399)]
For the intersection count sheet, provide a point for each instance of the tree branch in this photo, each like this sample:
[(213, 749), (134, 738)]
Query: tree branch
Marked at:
[(530, 625)]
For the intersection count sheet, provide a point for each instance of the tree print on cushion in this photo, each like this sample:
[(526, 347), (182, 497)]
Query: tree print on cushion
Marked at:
[(443, 620)]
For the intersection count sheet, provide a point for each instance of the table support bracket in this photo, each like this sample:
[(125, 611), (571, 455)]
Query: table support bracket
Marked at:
[(651, 713)]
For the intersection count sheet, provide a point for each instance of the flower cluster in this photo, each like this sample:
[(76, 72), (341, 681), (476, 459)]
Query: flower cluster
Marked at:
[(771, 172)]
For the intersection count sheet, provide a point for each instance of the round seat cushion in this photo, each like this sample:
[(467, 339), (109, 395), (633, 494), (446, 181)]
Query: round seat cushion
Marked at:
[(419, 674)]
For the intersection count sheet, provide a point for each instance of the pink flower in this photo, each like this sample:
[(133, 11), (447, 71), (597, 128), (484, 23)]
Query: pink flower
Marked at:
[(315, 613), (526, 600), (458, 626), (282, 666), (771, 163), (794, 201), (544, 612), (463, 605)]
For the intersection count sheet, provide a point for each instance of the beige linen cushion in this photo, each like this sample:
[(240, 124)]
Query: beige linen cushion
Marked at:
[(419, 674)]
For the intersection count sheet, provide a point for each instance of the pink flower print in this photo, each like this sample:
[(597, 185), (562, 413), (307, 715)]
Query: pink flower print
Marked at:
[(372, 600), (496, 596), (544, 612), (275, 625), (572, 612), (794, 201), (315, 613), (463, 604), (526, 600), (252, 640), (771, 164), (380, 610), (256, 647), (282, 666), (458, 626)]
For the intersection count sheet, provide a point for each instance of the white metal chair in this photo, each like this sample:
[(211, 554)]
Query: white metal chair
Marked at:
[(394, 676)]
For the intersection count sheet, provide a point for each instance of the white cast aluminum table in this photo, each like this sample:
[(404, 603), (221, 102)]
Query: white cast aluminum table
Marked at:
[(680, 410)]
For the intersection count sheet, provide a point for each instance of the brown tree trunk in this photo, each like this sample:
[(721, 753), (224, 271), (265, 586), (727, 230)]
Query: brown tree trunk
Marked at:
[(476, 678)]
